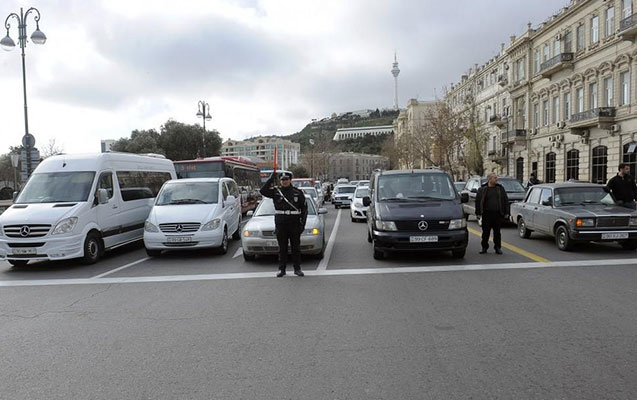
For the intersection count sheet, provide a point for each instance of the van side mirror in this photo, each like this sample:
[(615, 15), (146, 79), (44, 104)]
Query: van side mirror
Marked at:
[(250, 213), (102, 196), (229, 201), (464, 197), (606, 189), (548, 202), (367, 201), (15, 196)]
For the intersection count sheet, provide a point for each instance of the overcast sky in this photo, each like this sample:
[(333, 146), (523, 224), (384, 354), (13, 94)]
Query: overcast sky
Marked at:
[(266, 67)]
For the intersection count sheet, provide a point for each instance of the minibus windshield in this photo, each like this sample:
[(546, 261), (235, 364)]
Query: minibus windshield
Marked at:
[(57, 187)]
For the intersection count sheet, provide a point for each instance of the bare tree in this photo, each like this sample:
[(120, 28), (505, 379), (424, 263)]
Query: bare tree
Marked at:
[(51, 149)]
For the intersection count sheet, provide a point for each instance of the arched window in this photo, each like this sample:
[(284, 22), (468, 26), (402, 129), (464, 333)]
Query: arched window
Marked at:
[(572, 164), (519, 169), (599, 164), (549, 168), (630, 157)]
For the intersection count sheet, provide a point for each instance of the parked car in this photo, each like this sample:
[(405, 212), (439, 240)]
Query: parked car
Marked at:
[(313, 194), (78, 206), (357, 209), (192, 214), (575, 212), (415, 210), (343, 195), (342, 181), (460, 185), (354, 183), (259, 237), (303, 182), (514, 190), (363, 183)]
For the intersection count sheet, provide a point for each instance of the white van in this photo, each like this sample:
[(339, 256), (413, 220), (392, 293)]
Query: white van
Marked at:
[(193, 214), (77, 206)]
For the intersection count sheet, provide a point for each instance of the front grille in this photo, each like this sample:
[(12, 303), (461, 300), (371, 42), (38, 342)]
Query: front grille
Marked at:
[(185, 244), (613, 222), (183, 227), (268, 233), (23, 245), (26, 231), (412, 226)]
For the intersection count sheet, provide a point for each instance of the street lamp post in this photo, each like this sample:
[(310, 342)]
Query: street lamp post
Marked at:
[(7, 43), (203, 112), (14, 163)]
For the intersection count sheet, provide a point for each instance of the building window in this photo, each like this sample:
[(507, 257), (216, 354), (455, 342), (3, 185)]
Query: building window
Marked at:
[(572, 164), (624, 79), (549, 168), (556, 109), (580, 100), (521, 69), (568, 42), (599, 164), (610, 21), (536, 116), (545, 113), (595, 29), (627, 8), (608, 92), (579, 31), (592, 96), (536, 61), (519, 169), (567, 106), (547, 52), (630, 157), (557, 47)]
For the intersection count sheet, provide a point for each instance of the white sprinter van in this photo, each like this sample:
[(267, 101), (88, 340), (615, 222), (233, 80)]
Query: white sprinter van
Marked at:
[(78, 206)]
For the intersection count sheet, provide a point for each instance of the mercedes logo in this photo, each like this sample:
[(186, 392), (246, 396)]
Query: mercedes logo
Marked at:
[(423, 225), (24, 231), (179, 228)]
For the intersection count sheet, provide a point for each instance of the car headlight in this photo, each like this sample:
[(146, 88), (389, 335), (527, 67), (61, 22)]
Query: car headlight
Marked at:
[(310, 232), (585, 222), (458, 223), (633, 222), (385, 225), (212, 225), (64, 226), (251, 233), (358, 205), (149, 227)]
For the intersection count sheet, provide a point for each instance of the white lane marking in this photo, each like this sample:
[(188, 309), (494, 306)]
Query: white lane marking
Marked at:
[(120, 268), (238, 253), (330, 243), (330, 272)]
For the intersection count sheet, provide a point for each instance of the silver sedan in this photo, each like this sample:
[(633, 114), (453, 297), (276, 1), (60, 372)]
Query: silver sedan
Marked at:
[(259, 238)]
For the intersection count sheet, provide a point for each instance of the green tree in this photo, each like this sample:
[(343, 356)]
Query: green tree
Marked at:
[(299, 171)]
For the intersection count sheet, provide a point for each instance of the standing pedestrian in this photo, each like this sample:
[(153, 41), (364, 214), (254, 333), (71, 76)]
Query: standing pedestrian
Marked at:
[(533, 180), (289, 219), (623, 188), (492, 206)]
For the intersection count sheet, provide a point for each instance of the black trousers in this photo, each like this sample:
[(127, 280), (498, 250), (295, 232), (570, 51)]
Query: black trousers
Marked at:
[(491, 220), (289, 232)]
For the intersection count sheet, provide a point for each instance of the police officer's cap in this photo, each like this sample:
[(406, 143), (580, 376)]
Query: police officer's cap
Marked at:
[(287, 175)]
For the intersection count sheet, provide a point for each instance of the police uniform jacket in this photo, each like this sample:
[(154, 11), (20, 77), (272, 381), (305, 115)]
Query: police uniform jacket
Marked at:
[(291, 212)]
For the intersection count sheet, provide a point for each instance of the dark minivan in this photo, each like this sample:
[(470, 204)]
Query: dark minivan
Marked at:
[(415, 210)]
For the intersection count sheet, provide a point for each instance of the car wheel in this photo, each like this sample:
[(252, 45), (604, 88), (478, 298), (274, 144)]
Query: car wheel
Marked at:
[(249, 257), (237, 234), (92, 248), (153, 253), (353, 219), (378, 254), (562, 239), (336, 206), (223, 249), (522, 229), (466, 216), (369, 236), (18, 263), (629, 245), (459, 253)]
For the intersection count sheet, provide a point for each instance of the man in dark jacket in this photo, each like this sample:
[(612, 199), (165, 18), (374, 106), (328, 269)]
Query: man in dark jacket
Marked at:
[(289, 219), (623, 188), (492, 205)]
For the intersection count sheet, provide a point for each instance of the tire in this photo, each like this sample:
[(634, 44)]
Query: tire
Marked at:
[(93, 249), (249, 257), (18, 263), (237, 234), (354, 219), (320, 255), (459, 253), (336, 206), (629, 245), (153, 253), (378, 254), (522, 229), (369, 236), (223, 249), (562, 240), (466, 216)]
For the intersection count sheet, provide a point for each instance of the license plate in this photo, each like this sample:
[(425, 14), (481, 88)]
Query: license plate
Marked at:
[(613, 236), (25, 251), (272, 243), (423, 239), (179, 239)]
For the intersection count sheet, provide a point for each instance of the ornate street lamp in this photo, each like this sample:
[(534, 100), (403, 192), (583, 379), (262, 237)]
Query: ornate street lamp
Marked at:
[(7, 43), (203, 112)]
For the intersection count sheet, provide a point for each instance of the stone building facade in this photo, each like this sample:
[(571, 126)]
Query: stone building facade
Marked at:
[(354, 166), (564, 104), (262, 147)]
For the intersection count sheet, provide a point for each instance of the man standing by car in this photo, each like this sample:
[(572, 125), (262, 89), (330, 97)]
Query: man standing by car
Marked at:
[(492, 205), (623, 188), (289, 220), (533, 180)]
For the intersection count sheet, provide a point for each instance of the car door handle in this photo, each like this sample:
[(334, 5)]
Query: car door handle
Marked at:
[(536, 208), (115, 206)]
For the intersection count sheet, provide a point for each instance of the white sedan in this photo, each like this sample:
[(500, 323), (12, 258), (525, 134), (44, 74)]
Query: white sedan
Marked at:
[(357, 210)]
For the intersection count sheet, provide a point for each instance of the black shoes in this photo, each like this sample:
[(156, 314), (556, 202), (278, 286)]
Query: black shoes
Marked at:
[(281, 273), (498, 251), (483, 251), (298, 272)]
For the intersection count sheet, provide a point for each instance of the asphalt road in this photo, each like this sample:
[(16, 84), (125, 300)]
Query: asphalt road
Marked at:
[(203, 326)]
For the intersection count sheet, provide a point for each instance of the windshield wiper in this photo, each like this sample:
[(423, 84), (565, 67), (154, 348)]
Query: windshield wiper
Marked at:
[(188, 201), (394, 199), (424, 198)]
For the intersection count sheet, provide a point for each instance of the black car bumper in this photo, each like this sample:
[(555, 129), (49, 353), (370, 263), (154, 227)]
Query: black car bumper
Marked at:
[(400, 241), (603, 236)]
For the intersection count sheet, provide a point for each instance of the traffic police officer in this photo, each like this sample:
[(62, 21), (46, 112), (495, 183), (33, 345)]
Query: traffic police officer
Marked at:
[(289, 220)]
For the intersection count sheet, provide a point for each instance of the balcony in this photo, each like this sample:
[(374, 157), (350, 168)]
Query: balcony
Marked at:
[(498, 157), (497, 121), (628, 28), (556, 64), (514, 136), (503, 80), (602, 117)]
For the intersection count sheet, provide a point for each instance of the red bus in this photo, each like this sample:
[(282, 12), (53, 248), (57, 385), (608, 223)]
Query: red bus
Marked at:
[(244, 172)]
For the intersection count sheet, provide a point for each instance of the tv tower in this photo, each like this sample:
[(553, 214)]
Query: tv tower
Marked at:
[(395, 71)]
